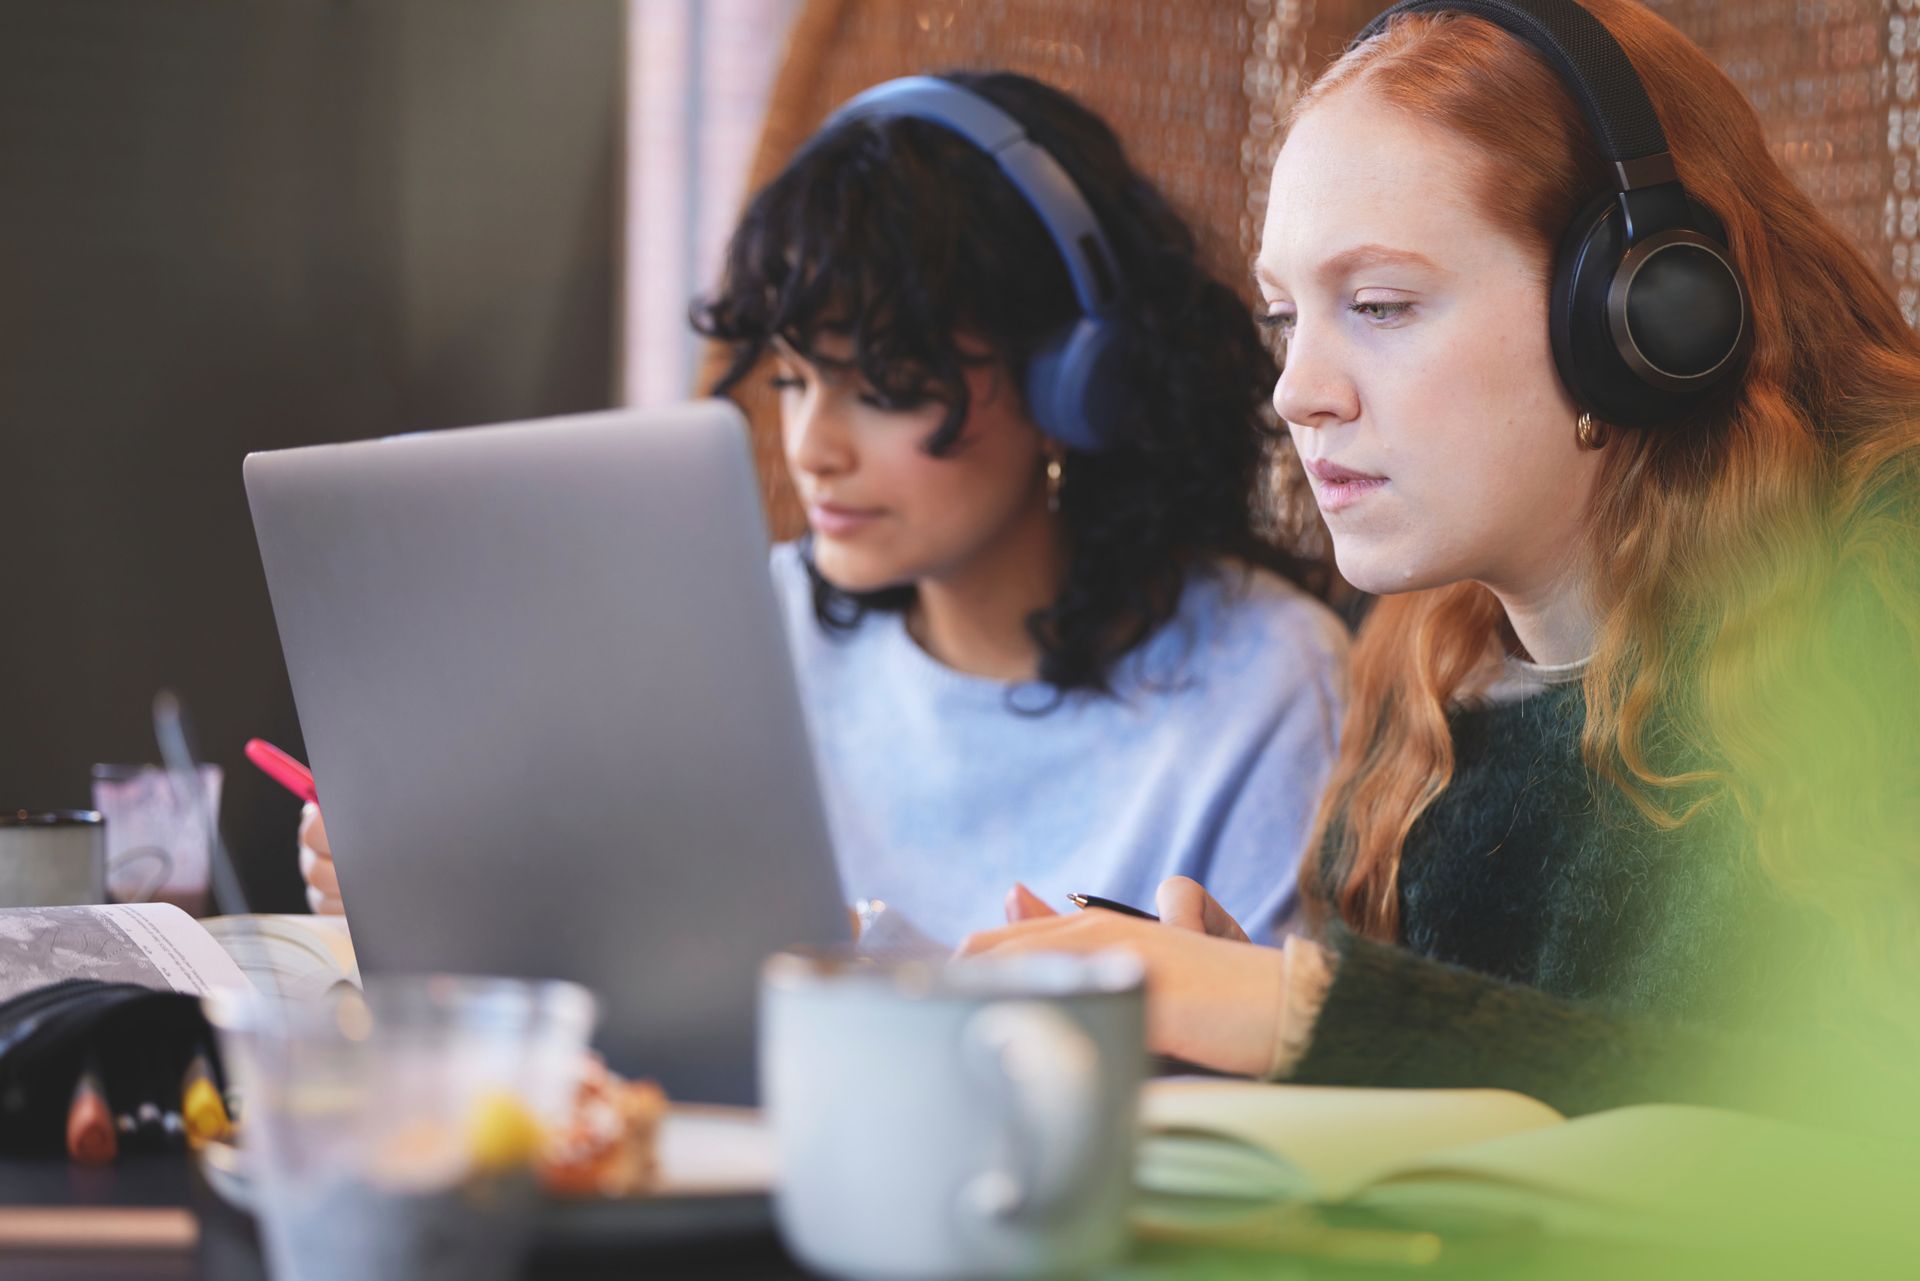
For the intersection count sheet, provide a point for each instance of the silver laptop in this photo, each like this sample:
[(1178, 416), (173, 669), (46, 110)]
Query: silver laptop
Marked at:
[(552, 717)]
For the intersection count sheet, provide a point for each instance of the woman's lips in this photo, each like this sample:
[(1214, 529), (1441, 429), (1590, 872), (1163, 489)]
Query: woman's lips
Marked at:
[(834, 520), (1337, 488)]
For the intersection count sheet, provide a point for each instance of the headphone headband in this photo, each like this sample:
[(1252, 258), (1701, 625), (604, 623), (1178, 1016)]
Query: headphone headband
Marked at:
[(1587, 58), (1078, 380), (1591, 63), (1032, 170)]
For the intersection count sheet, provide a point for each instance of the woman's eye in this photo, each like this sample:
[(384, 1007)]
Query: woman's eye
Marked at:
[(902, 404), (1276, 327), (786, 382), (1381, 311)]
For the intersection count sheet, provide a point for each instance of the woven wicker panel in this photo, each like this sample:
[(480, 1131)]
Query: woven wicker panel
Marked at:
[(1194, 87), (1834, 83)]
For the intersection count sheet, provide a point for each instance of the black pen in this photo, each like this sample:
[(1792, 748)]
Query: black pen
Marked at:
[(1092, 900)]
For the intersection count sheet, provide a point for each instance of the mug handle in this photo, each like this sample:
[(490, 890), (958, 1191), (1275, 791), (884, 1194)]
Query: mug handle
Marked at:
[(1049, 1069)]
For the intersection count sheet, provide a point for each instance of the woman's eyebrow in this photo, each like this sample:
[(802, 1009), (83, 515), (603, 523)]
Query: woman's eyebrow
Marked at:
[(1348, 261), (1263, 275)]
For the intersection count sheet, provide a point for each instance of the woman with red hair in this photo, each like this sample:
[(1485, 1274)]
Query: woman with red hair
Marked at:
[(1628, 776)]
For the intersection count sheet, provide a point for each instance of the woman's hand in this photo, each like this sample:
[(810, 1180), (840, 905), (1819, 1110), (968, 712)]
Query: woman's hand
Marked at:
[(1212, 997), (316, 864), (1185, 906), (1180, 902)]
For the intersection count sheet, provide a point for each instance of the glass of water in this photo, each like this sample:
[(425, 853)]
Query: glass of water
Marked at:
[(392, 1136)]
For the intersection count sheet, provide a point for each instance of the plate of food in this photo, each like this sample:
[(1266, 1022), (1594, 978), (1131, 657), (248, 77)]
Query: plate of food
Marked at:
[(627, 1167)]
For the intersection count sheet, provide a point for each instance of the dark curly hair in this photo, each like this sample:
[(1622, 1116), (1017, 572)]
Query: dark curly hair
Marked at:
[(899, 234)]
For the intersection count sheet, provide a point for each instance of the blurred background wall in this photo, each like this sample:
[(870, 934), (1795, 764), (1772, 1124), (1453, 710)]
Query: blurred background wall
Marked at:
[(228, 227)]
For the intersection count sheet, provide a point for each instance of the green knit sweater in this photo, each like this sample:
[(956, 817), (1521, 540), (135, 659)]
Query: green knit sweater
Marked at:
[(1554, 941)]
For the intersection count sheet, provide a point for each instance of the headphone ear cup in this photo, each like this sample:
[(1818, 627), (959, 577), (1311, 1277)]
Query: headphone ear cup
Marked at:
[(1679, 307), (1583, 347), (1077, 385)]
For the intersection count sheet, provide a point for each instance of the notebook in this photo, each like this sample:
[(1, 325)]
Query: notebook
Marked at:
[(1219, 1157)]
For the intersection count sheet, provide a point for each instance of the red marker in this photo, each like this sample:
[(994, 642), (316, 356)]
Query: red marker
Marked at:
[(282, 769)]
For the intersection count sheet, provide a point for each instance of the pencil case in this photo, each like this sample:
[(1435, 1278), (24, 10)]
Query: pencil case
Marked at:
[(137, 1043)]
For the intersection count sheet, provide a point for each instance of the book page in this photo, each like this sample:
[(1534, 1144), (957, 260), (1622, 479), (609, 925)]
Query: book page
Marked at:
[(1673, 1167), (155, 944), (290, 954), (1602, 1157), (1336, 1139)]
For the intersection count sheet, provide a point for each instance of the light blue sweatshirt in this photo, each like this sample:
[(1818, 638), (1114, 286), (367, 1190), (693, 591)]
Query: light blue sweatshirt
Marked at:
[(941, 794)]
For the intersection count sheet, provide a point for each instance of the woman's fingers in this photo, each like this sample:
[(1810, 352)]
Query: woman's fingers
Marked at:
[(1183, 904), (1044, 930), (1210, 1000), (313, 830), (316, 864), (324, 904), (318, 871), (1024, 905)]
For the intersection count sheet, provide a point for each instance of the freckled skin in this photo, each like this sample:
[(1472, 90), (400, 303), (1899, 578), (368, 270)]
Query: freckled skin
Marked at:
[(1445, 383)]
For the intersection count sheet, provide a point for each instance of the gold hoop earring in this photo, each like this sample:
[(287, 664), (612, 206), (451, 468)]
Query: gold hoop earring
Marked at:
[(1054, 472), (1589, 431)]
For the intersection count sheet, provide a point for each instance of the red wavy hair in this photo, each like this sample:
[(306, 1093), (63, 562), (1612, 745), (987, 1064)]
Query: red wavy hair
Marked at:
[(1750, 571)]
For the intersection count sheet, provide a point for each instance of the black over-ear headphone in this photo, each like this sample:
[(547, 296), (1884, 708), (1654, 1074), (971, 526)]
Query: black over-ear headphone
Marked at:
[(1648, 314)]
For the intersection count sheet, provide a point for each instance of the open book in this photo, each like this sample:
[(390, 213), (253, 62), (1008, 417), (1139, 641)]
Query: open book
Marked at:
[(159, 945), (1218, 1158), (1238, 1140)]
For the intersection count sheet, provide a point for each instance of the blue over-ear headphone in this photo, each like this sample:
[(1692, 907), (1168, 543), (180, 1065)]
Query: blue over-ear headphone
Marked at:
[(1076, 381)]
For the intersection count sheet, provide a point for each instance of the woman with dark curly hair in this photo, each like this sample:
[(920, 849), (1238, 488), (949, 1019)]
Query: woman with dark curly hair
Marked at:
[(1039, 632)]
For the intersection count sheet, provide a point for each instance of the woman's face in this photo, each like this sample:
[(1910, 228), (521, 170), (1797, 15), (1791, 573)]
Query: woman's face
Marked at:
[(886, 513), (1418, 383)]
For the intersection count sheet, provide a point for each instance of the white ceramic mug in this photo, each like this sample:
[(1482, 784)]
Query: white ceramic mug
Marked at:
[(944, 1121), (52, 859)]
